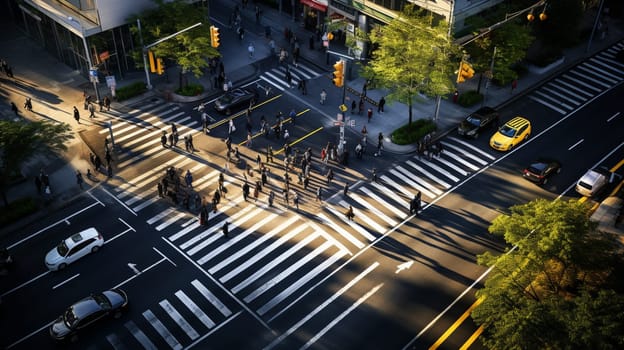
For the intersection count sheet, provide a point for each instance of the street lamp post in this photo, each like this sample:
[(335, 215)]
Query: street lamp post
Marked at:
[(147, 78)]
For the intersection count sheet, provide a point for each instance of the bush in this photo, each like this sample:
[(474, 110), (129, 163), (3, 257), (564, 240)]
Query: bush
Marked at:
[(129, 91), (17, 210), (409, 134), (190, 90), (469, 98)]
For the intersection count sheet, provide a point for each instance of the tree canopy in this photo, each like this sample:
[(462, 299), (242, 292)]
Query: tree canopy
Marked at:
[(559, 288), (414, 54), (189, 49), (21, 140)]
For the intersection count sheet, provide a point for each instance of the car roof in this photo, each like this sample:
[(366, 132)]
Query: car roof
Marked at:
[(517, 122), (485, 110), (82, 235), (85, 307)]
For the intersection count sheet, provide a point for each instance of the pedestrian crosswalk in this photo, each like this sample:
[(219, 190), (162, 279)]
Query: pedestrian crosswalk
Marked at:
[(277, 76), (576, 86)]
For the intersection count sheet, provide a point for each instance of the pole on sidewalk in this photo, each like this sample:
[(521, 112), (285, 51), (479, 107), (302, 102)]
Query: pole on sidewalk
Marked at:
[(591, 37), (147, 78)]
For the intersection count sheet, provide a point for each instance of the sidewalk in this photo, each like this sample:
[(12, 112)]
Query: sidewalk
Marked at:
[(55, 91)]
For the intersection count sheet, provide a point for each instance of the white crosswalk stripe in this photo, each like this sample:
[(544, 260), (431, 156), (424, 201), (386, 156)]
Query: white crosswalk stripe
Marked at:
[(277, 76), (580, 83)]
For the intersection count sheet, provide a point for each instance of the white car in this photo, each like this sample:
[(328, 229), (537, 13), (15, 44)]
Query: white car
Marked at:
[(74, 248)]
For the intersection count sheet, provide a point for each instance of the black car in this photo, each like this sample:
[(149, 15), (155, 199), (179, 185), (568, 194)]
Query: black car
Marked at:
[(541, 170), (478, 121), (231, 99), (86, 311)]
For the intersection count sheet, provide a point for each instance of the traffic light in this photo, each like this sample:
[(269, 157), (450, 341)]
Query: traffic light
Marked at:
[(465, 72), (152, 64), (338, 74), (160, 66), (214, 36)]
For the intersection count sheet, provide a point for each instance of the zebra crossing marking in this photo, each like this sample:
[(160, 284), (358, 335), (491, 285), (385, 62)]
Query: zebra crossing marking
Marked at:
[(196, 310), (353, 225), (592, 69), (132, 183), (178, 319), (115, 342), (148, 112), (206, 293), (204, 234), (140, 336), (585, 76), (374, 210), (547, 104), (575, 88), (465, 153), (364, 218), (170, 221), (428, 174), (378, 199), (418, 183), (160, 215), (342, 231), (162, 330), (391, 194), (563, 94)]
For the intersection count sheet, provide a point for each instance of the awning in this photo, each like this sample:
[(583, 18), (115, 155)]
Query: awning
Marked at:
[(320, 5)]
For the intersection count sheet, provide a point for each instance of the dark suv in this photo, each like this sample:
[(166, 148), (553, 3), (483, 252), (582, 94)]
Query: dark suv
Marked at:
[(476, 122)]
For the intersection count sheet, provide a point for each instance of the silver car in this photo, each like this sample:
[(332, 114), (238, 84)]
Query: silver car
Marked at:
[(74, 248)]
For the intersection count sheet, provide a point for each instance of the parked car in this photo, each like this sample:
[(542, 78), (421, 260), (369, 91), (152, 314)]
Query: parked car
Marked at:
[(74, 248), (594, 180), (511, 134), (86, 311), (478, 121), (541, 170), (231, 99)]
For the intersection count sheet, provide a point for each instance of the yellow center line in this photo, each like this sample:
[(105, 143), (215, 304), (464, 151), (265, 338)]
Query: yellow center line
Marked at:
[(301, 139), (258, 134), (472, 338), (226, 120), (454, 326)]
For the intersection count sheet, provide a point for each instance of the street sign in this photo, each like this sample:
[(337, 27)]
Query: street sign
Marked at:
[(110, 80)]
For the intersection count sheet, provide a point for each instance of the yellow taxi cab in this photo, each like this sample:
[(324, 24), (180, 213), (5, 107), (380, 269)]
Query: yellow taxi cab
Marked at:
[(511, 134)]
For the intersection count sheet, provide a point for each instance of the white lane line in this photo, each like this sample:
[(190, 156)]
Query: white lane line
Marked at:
[(540, 101), (590, 75), (320, 308), (554, 100), (612, 70), (115, 342), (372, 208), (309, 70), (576, 144), (160, 215), (397, 186), (239, 237), (66, 281), (406, 178), (293, 287), (191, 220), (196, 310), (562, 95), (571, 75), (249, 247), (390, 194), (600, 73), (162, 330), (344, 314), (341, 231), (225, 311), (428, 174), (613, 117), (178, 319), (398, 212), (277, 80), (286, 272), (274, 262), (272, 83), (140, 336), (461, 160), (170, 221), (232, 224), (473, 147), (252, 260), (419, 183), (153, 135), (447, 164), (466, 154), (146, 203), (575, 88)]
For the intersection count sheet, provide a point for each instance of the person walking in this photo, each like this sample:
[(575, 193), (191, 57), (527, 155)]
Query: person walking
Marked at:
[(245, 191), (370, 114), (296, 201), (79, 179), (28, 104), (91, 111), (353, 106), (188, 178), (163, 139), (107, 103), (271, 198), (374, 175), (289, 78), (269, 155), (231, 127), (251, 49), (319, 194), (361, 106), (159, 186), (256, 192), (349, 214), (76, 115), (330, 176), (323, 96), (382, 103), (225, 228), (345, 189)]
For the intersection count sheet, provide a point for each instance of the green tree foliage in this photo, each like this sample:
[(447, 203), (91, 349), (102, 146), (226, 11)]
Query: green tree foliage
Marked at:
[(414, 55), (21, 140), (189, 49), (555, 289)]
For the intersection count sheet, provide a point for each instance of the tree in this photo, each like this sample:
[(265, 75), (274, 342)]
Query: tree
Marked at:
[(414, 55), (189, 49), (552, 290), (21, 140)]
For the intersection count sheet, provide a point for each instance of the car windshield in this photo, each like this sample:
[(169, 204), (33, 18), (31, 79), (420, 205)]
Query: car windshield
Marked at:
[(226, 98), (476, 121), (62, 248), (507, 131), (537, 168), (69, 318), (102, 301)]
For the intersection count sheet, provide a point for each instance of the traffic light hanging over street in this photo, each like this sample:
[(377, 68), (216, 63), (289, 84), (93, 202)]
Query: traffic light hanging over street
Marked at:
[(214, 36), (160, 66), (339, 73), (152, 63), (465, 72)]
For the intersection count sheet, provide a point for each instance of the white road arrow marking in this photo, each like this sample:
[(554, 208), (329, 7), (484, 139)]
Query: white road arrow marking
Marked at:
[(133, 268), (404, 266)]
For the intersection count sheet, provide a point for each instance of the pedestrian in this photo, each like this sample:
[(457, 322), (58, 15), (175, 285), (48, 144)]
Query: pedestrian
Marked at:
[(269, 154), (101, 104), (319, 194), (345, 190), (107, 103), (79, 179), (190, 140), (28, 104), (514, 85), (175, 139), (159, 186), (365, 88), (109, 171), (353, 106), (165, 185), (358, 151), (438, 149), (231, 127), (263, 176), (382, 103), (163, 139), (361, 106), (76, 115), (455, 96), (330, 176), (370, 114), (349, 214), (97, 163), (304, 87), (225, 228), (289, 78), (14, 108), (91, 111), (286, 188), (286, 135), (296, 200), (189, 179), (245, 191), (271, 198), (251, 49), (186, 144), (323, 96), (38, 184), (374, 175), (256, 192)]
